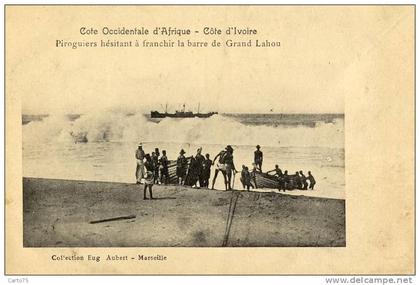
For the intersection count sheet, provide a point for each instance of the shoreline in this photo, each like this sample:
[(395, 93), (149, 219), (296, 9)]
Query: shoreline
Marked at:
[(295, 192), (58, 212)]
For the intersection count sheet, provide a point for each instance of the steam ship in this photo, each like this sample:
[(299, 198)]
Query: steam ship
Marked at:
[(181, 114)]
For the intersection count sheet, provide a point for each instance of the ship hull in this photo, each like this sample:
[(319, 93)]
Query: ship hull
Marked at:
[(158, 115)]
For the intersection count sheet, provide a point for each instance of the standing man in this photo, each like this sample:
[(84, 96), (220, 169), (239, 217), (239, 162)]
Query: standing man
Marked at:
[(140, 163), (164, 171), (258, 157), (181, 167), (155, 162), (303, 180), (311, 181), (230, 167), (246, 178), (192, 174), (220, 166), (199, 158), (297, 180), (206, 170)]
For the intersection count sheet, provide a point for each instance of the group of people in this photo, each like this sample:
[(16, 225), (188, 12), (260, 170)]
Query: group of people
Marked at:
[(149, 167), (195, 170), (285, 181), (196, 173), (293, 181)]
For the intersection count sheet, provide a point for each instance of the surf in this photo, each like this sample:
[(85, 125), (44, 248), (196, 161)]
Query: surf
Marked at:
[(118, 126)]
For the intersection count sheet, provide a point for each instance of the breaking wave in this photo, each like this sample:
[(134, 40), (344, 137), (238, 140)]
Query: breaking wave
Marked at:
[(117, 126)]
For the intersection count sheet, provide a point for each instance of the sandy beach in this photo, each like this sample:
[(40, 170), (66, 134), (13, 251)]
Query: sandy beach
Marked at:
[(57, 213)]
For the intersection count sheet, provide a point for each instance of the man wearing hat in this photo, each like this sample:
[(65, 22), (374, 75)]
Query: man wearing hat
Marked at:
[(181, 167), (140, 163), (258, 158)]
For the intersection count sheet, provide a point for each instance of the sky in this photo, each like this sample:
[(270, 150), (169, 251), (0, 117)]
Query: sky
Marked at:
[(309, 73)]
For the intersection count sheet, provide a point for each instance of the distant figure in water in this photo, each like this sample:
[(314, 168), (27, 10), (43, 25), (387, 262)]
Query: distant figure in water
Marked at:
[(148, 182), (140, 164), (155, 162), (206, 171), (311, 180), (303, 180), (181, 167), (200, 166), (258, 157), (246, 178), (164, 171)]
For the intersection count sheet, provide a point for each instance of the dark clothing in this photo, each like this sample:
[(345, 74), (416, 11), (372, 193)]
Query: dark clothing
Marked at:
[(312, 185), (258, 158), (181, 166), (200, 160), (155, 161), (200, 167), (246, 179), (279, 175), (149, 166), (287, 182), (297, 183), (193, 173), (207, 168), (164, 162), (312, 181), (303, 181), (282, 183), (206, 172), (164, 173)]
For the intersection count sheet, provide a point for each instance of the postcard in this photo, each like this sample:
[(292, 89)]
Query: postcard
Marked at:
[(209, 139)]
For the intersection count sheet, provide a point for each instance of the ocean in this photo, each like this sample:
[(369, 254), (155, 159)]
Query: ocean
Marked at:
[(100, 146)]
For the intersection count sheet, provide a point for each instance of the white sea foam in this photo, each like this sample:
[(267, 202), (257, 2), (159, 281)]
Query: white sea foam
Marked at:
[(116, 126)]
